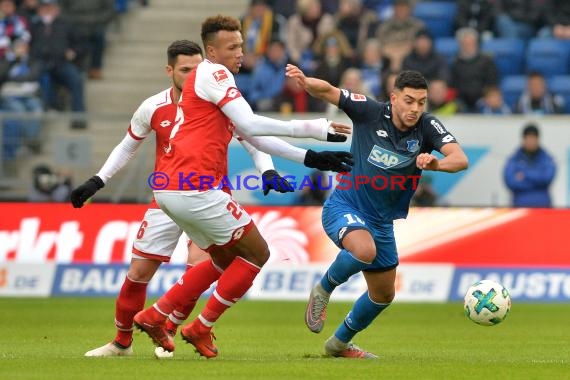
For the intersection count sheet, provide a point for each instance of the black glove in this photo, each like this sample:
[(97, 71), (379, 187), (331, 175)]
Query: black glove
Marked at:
[(272, 180), (333, 137), (328, 160), (82, 193)]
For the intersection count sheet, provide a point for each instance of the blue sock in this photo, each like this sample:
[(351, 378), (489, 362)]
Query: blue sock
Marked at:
[(360, 317), (344, 266)]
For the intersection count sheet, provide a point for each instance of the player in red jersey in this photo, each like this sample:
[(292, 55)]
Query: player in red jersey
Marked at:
[(158, 235), (196, 164)]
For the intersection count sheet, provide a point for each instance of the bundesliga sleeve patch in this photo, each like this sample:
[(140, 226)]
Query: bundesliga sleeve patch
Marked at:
[(220, 75), (357, 97)]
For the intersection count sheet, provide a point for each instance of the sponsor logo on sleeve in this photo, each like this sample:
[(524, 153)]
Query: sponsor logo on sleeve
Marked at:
[(438, 127), (345, 93), (447, 139), (357, 97)]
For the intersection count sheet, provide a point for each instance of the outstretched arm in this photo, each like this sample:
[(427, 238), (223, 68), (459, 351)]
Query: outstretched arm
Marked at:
[(250, 124), (317, 88), (118, 158), (326, 160)]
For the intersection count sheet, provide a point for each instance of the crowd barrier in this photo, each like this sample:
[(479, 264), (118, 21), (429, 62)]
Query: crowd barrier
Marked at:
[(55, 250)]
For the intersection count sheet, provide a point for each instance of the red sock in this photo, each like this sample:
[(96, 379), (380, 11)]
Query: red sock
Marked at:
[(178, 316), (191, 285), (129, 302), (232, 285)]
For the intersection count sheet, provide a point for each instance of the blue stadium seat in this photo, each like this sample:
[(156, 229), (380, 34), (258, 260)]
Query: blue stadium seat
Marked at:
[(508, 54), (560, 85), (548, 56), (437, 16), (512, 87), (447, 47)]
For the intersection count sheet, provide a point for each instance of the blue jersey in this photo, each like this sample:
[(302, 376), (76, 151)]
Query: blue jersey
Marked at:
[(385, 175)]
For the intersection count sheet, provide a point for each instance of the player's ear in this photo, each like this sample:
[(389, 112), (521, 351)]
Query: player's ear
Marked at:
[(169, 70)]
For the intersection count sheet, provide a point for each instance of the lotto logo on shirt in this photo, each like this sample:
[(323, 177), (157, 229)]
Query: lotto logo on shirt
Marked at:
[(220, 76)]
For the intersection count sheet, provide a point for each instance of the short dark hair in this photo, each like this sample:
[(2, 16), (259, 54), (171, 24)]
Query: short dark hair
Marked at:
[(214, 24), (182, 47), (530, 129), (412, 79)]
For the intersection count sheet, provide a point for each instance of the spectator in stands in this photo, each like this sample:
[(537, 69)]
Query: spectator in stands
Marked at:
[(20, 93), (529, 172), (351, 80), (537, 100), (260, 26), (268, 78), (374, 66), (12, 27), (53, 46), (388, 81), (29, 10), (293, 98), (492, 102), (441, 100), (477, 14), (49, 186), (303, 29), (397, 33), (89, 20), (316, 193), (471, 71), (425, 59), (557, 15), (518, 18), (334, 55), (356, 22)]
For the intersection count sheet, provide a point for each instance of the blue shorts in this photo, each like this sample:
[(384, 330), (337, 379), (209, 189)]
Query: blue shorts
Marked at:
[(339, 218)]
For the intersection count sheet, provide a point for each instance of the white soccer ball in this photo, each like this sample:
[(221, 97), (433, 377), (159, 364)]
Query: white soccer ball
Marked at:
[(487, 302)]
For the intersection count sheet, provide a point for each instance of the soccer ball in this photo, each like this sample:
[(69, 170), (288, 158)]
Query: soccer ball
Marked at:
[(487, 302)]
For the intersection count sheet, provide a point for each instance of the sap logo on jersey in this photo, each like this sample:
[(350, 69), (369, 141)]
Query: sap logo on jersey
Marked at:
[(220, 75), (384, 158)]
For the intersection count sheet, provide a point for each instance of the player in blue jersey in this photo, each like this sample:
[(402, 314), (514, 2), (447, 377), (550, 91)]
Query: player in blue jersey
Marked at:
[(391, 144)]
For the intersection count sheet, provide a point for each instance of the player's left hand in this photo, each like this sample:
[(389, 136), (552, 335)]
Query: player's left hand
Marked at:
[(338, 132), (272, 180), (426, 161)]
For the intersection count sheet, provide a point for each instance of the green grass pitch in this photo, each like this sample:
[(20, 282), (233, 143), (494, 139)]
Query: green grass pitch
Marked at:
[(46, 339)]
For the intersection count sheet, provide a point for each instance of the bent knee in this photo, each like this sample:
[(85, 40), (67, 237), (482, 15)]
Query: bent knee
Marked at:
[(366, 254), (382, 297)]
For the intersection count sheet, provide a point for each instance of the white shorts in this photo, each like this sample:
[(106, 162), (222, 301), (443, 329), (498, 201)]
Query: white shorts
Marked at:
[(209, 218), (157, 236)]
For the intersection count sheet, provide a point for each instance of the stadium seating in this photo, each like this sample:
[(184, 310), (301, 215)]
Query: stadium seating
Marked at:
[(447, 47), (437, 16), (548, 56), (508, 54), (512, 87), (560, 85)]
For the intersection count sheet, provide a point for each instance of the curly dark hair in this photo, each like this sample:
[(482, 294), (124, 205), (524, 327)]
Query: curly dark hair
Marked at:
[(182, 47), (214, 24)]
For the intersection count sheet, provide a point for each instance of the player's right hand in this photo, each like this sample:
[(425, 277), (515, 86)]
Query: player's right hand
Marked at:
[(338, 131), (329, 160), (82, 193)]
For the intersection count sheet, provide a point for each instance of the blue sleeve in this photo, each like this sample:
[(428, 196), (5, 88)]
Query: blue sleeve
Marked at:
[(544, 173), (435, 134), (510, 177), (358, 107)]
